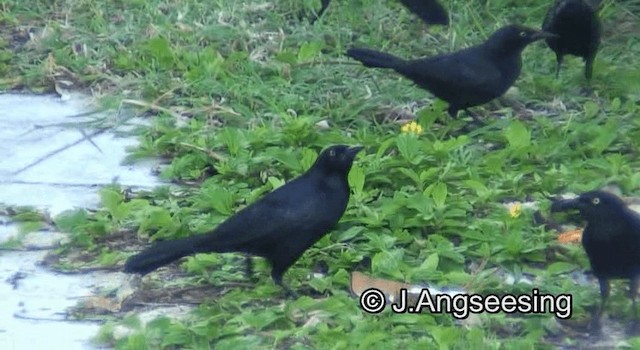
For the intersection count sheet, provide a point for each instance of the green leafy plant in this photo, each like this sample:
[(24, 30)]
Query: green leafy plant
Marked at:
[(242, 96)]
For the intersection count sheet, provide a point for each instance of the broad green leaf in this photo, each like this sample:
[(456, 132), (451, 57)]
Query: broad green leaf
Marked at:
[(412, 175), (517, 135), (428, 115), (560, 267), (309, 50), (409, 146), (387, 263), (606, 136), (480, 189), (233, 138), (222, 200), (275, 182), (430, 263), (350, 233), (591, 109), (287, 57), (439, 194), (356, 178)]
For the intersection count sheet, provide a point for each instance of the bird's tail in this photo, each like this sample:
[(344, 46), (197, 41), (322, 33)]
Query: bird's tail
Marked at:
[(373, 58), (165, 252), (431, 12)]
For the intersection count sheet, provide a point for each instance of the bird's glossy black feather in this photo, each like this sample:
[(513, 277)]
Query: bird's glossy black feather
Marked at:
[(578, 29), (465, 78), (279, 227), (429, 11), (611, 240)]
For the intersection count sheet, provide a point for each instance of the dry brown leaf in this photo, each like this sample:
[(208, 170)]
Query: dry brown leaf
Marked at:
[(99, 304), (361, 282), (572, 236)]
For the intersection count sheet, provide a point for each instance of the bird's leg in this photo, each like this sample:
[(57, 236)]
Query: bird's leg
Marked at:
[(248, 267), (276, 275), (633, 293), (588, 68), (588, 71), (596, 327), (453, 111), (558, 64)]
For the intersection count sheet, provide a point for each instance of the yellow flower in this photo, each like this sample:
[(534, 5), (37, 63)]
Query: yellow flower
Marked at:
[(515, 209), (412, 127)]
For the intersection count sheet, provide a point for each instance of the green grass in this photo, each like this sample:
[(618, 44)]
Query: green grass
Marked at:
[(234, 90)]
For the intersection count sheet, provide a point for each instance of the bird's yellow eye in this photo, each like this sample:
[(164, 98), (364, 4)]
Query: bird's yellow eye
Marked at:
[(332, 153), (523, 34), (595, 201)]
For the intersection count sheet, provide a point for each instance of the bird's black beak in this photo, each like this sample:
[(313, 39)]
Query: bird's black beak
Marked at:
[(566, 204), (543, 35), (353, 151)]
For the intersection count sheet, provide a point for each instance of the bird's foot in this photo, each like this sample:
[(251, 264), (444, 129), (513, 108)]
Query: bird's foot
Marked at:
[(289, 293), (477, 118), (313, 18), (587, 91)]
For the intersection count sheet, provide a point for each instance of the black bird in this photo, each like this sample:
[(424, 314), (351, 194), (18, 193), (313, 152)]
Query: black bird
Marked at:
[(323, 7), (430, 11), (465, 78), (279, 227), (611, 240), (578, 29)]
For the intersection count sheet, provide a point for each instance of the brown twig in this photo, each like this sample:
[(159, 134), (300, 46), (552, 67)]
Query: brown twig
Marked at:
[(210, 153)]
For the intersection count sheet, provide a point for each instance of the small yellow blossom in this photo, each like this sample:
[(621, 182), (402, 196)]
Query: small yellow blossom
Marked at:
[(412, 127), (515, 209)]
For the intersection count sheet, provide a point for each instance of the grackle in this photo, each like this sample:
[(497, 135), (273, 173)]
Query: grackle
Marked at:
[(465, 78), (323, 7), (279, 227), (429, 11), (578, 29), (611, 240)]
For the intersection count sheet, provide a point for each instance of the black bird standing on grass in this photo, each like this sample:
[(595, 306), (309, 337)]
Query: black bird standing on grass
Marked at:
[(430, 11), (465, 78), (279, 227), (577, 26), (612, 242)]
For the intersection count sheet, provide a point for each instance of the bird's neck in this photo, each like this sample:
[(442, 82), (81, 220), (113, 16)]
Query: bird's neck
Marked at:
[(508, 58), (613, 224), (332, 179), (501, 51)]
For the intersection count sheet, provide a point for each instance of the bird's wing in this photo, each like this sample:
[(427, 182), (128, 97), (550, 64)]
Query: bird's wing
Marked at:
[(463, 70), (628, 233), (551, 15), (291, 208), (634, 218)]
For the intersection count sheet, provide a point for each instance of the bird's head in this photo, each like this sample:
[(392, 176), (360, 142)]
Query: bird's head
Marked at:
[(515, 37), (337, 159), (593, 206)]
